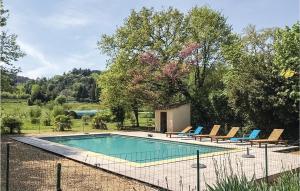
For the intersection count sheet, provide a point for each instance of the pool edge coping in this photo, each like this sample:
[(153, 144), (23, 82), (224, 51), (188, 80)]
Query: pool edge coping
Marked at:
[(87, 153)]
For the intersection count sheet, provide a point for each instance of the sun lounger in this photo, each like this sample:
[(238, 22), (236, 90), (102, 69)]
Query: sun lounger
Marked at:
[(213, 132), (273, 138), (197, 131), (186, 130), (253, 135), (229, 135)]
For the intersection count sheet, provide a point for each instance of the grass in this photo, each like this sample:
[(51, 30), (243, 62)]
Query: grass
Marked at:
[(21, 109)]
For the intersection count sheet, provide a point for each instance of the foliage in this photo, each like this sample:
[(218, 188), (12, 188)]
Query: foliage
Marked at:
[(61, 99), (8, 95), (57, 110), (285, 181), (35, 112), (9, 52), (85, 119), (62, 122), (254, 85), (98, 122), (119, 114), (158, 58), (11, 123), (47, 121)]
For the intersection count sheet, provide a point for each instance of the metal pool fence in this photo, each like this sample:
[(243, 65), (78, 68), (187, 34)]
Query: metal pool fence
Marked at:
[(24, 167)]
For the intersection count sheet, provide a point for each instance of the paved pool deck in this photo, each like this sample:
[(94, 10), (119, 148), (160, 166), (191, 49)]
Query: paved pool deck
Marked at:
[(179, 174)]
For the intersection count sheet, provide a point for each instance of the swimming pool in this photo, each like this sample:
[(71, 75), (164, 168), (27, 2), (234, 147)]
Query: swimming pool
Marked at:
[(134, 149)]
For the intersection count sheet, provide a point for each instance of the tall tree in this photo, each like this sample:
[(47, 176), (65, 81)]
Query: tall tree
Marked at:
[(9, 52), (160, 32), (254, 85)]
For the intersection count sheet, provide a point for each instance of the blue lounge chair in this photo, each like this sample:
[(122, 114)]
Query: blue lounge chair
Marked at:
[(197, 131), (251, 136)]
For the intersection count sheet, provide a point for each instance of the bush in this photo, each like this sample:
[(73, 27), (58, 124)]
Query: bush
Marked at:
[(7, 95), (63, 122), (11, 123), (46, 121), (57, 110), (227, 180), (50, 105), (98, 122), (85, 119), (35, 120), (29, 102), (23, 96), (35, 112), (119, 113), (106, 116), (38, 102), (61, 99)]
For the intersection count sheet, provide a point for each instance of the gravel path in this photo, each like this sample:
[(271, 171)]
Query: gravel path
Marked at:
[(34, 169)]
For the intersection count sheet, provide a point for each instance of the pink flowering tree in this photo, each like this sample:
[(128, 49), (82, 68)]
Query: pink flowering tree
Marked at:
[(169, 77)]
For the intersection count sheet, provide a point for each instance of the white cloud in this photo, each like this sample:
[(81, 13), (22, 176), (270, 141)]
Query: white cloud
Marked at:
[(42, 66), (65, 19)]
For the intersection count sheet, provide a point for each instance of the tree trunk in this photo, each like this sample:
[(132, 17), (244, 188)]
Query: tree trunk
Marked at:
[(135, 110)]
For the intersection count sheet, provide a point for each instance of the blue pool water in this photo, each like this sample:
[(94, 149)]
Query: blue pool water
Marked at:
[(134, 149)]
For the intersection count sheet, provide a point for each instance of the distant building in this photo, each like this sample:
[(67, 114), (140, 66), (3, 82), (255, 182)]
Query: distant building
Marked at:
[(172, 118)]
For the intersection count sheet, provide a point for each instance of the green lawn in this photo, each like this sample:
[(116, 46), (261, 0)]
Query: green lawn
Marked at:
[(21, 109)]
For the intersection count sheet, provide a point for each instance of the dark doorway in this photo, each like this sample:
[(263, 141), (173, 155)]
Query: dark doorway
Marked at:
[(163, 122)]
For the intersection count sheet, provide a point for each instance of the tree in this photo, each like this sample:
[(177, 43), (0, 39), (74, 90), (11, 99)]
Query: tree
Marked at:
[(142, 31), (61, 99), (158, 68), (11, 122), (254, 85), (208, 31), (9, 51)]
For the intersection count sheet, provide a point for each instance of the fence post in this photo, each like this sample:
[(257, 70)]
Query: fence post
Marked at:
[(58, 177), (7, 166), (266, 163), (198, 171)]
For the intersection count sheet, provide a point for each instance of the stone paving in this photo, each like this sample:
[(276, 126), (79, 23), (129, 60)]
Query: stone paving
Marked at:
[(179, 174)]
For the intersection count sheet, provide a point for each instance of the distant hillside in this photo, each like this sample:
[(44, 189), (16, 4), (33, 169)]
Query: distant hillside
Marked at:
[(77, 84), (21, 79)]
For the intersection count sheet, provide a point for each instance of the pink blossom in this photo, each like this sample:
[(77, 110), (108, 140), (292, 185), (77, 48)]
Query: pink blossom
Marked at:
[(171, 70), (187, 50), (137, 78), (148, 58)]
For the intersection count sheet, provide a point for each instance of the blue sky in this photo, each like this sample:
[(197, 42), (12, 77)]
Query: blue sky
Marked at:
[(58, 35)]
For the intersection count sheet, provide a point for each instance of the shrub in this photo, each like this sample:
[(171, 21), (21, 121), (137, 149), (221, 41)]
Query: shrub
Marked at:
[(119, 113), (98, 122), (227, 180), (85, 119), (47, 121), (23, 96), (63, 122), (35, 120), (38, 102), (35, 114), (11, 123), (7, 95), (73, 114), (50, 105), (46, 118), (29, 102), (106, 116), (61, 99), (57, 110)]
